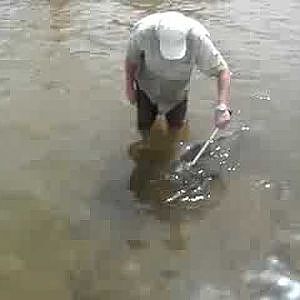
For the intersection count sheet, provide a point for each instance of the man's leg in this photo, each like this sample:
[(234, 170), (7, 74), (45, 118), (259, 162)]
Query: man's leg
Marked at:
[(146, 114)]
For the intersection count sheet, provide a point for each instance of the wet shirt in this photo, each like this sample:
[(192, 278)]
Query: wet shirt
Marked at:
[(166, 82)]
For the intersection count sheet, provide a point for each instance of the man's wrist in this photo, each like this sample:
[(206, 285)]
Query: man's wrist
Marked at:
[(222, 108), (129, 85)]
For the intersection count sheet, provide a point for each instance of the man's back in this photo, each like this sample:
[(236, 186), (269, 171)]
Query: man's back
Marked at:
[(152, 21), (166, 82)]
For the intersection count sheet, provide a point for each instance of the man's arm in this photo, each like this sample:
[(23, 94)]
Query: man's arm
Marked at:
[(224, 77), (222, 112), (130, 76), (132, 62), (210, 61)]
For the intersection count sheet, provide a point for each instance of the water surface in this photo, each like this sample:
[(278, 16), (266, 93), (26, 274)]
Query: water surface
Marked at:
[(71, 228)]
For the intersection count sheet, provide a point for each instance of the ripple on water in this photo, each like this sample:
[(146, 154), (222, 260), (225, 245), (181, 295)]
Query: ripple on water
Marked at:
[(261, 96), (213, 292)]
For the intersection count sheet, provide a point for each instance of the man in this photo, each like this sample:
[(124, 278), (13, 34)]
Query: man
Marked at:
[(163, 50)]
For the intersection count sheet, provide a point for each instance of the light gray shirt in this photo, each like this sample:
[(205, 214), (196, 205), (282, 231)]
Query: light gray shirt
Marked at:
[(167, 82)]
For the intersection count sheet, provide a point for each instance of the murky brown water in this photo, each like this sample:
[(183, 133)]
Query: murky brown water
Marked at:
[(71, 229)]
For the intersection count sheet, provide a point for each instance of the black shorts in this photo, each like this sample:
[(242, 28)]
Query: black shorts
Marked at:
[(147, 112)]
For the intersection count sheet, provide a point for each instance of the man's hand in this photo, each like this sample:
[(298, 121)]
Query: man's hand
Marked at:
[(222, 116), (131, 95)]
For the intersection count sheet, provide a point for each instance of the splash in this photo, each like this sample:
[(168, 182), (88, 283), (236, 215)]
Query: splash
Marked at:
[(191, 185)]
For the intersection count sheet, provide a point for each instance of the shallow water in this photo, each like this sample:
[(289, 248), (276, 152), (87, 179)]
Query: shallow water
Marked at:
[(71, 228)]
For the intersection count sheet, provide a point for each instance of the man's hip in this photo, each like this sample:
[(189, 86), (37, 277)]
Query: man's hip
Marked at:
[(147, 111)]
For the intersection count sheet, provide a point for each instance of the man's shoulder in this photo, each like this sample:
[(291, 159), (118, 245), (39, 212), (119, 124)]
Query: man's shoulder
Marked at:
[(198, 30)]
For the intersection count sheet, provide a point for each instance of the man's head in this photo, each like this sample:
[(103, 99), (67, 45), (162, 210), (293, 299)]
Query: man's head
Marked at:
[(172, 30)]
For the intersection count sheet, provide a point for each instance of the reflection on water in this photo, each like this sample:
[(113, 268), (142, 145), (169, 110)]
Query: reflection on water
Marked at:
[(166, 191), (273, 279)]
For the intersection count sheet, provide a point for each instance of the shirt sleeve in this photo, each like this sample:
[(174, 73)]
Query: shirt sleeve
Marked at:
[(208, 59)]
